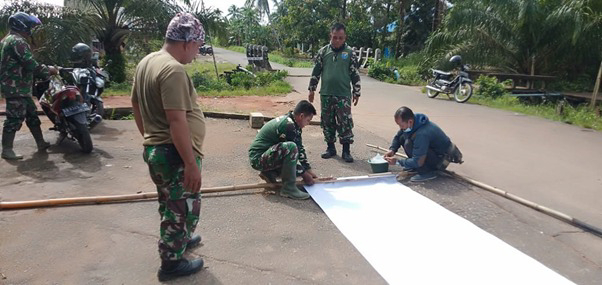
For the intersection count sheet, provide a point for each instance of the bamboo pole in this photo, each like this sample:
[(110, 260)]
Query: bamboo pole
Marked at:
[(596, 88), (548, 211), (153, 195)]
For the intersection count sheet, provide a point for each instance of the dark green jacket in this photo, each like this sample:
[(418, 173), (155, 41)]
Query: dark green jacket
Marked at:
[(18, 67), (277, 130), (338, 72)]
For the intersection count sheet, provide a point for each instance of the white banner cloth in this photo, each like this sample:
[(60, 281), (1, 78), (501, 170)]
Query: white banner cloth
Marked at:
[(409, 239)]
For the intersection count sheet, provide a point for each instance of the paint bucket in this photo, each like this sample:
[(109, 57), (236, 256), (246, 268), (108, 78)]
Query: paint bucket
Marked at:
[(378, 165)]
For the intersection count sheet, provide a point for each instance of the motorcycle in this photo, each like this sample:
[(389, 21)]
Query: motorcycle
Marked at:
[(206, 50), (91, 83), (65, 107), (442, 82)]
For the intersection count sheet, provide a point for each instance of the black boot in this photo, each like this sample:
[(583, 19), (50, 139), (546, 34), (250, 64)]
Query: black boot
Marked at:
[(346, 155), (177, 268), (37, 135), (330, 151), (194, 241), (7, 146)]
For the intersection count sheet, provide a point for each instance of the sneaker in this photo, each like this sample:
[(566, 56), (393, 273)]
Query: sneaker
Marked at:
[(423, 177), (182, 267)]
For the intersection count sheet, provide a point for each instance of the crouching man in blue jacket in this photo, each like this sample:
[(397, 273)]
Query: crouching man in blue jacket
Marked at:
[(428, 148)]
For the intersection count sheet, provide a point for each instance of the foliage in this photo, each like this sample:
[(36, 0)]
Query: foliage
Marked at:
[(579, 115), (544, 37), (490, 87), (116, 67), (62, 28), (381, 71)]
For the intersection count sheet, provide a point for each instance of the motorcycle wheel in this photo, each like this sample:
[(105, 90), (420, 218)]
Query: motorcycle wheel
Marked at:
[(430, 93), (463, 92), (83, 137)]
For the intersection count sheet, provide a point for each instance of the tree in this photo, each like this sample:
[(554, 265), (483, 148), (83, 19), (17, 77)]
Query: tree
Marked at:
[(120, 19), (263, 6), (62, 28), (529, 36)]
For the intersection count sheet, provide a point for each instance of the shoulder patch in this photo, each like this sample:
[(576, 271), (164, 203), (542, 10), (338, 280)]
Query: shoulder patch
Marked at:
[(344, 55)]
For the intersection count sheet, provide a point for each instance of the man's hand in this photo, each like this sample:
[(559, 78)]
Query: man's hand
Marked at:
[(313, 175), (389, 153), (391, 160), (192, 178), (52, 70), (311, 96), (307, 178), (355, 100)]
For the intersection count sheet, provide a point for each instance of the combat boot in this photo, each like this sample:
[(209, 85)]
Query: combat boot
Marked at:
[(39, 137), (289, 187), (346, 155), (7, 146), (177, 268), (330, 151)]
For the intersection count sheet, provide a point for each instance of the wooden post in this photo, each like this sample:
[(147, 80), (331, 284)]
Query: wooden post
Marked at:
[(596, 88)]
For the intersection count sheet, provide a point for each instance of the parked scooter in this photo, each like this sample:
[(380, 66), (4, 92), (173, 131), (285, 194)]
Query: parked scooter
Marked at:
[(460, 85), (65, 107), (90, 79)]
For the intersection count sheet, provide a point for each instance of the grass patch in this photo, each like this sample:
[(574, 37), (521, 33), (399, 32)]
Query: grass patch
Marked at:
[(207, 84), (278, 57), (579, 115)]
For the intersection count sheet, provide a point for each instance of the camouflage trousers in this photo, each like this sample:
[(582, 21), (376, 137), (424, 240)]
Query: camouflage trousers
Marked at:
[(19, 110), (275, 156), (179, 209), (336, 117)]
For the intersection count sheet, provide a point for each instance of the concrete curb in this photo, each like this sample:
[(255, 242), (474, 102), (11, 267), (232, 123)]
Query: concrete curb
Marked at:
[(126, 111)]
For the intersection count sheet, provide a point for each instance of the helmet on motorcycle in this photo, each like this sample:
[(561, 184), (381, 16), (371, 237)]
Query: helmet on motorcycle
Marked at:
[(456, 59), (23, 22), (81, 55)]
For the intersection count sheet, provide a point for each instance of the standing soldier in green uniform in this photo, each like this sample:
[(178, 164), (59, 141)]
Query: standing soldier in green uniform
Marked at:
[(169, 118), (335, 63), (278, 148), (17, 71)]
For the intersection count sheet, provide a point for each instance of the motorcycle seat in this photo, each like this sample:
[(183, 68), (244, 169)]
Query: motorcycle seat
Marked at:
[(442, 72)]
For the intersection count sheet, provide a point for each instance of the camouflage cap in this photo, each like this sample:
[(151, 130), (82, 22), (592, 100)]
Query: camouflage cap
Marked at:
[(185, 27)]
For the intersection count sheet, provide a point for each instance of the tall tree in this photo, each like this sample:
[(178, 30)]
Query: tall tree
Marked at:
[(263, 6)]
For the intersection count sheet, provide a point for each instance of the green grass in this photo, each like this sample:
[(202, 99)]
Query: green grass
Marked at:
[(278, 57), (273, 89), (580, 115)]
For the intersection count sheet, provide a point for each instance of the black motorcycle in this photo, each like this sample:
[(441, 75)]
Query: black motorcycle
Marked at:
[(457, 83), (65, 107), (91, 81), (206, 50)]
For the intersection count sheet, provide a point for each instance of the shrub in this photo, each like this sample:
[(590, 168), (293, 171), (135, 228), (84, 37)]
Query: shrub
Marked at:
[(489, 87), (380, 71), (243, 79)]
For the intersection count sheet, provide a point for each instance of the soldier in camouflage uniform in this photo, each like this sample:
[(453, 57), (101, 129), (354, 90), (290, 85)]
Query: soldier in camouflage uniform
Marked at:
[(17, 71), (167, 114), (278, 149), (335, 63)]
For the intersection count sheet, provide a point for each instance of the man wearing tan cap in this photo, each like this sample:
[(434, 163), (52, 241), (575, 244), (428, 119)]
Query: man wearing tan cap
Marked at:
[(173, 126)]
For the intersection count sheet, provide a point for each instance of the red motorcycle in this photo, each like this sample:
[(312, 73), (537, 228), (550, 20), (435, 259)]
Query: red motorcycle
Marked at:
[(65, 107)]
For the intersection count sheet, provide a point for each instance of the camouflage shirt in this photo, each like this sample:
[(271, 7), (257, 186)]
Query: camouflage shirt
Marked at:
[(18, 67), (277, 130), (337, 70)]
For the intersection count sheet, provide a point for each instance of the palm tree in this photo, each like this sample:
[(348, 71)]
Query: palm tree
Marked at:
[(120, 19), (527, 36), (263, 6), (62, 28)]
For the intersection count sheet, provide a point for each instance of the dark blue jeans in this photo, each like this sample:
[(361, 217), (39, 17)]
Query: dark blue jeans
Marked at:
[(432, 162)]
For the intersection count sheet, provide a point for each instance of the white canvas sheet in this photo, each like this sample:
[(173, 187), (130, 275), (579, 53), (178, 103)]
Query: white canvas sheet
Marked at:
[(410, 239)]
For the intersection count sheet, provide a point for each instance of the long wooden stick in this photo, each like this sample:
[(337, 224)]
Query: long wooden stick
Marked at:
[(596, 87), (153, 195), (551, 212)]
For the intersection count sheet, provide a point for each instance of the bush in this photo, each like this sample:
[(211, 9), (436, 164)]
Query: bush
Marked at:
[(116, 67), (380, 71), (243, 79), (490, 87)]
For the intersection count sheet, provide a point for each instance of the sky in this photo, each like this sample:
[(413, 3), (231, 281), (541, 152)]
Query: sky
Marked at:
[(220, 4)]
